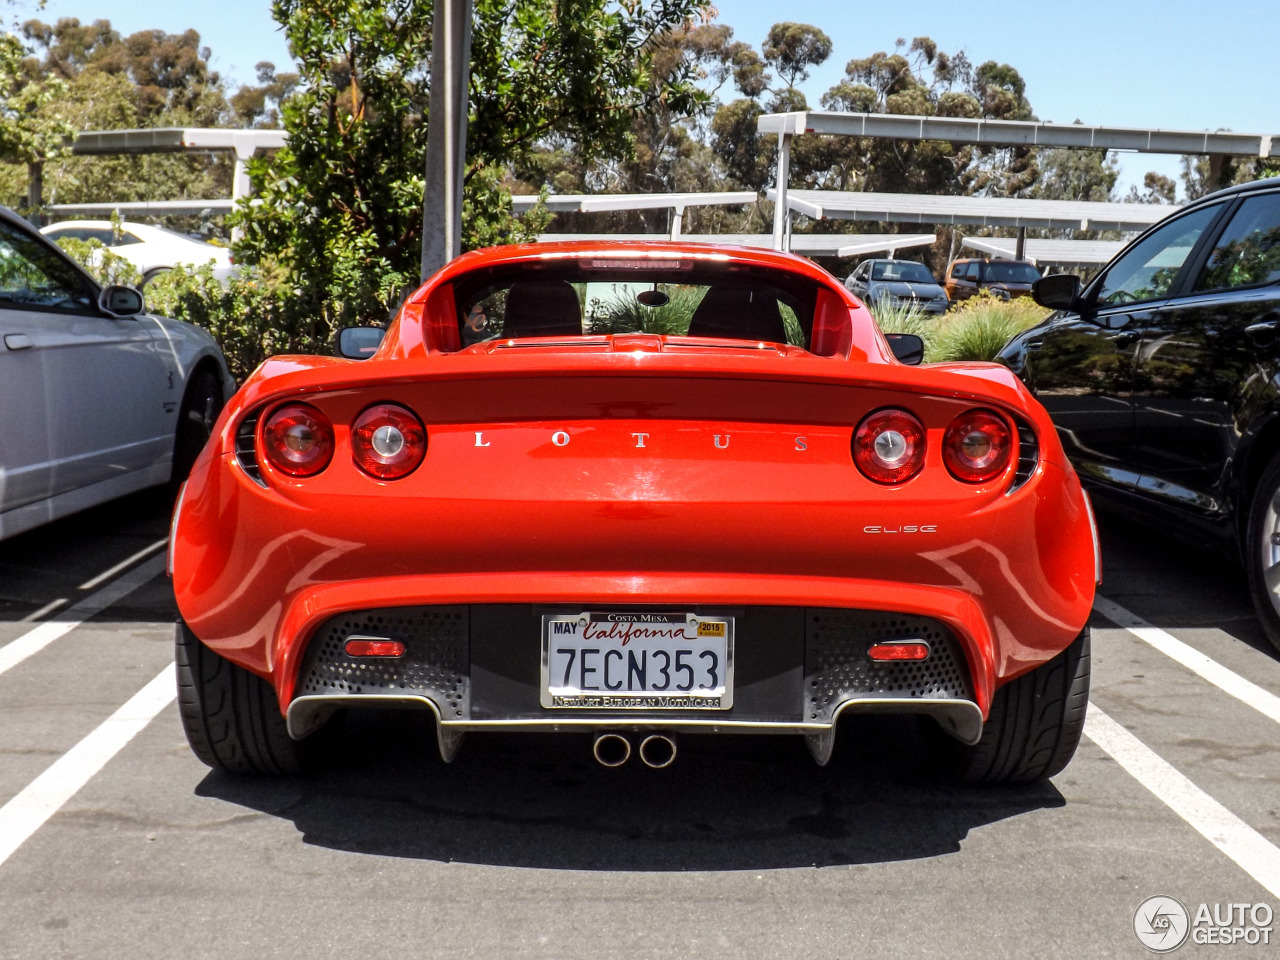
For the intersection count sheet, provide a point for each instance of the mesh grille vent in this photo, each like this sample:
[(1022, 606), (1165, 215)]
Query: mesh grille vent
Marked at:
[(837, 667), (436, 662), (246, 450)]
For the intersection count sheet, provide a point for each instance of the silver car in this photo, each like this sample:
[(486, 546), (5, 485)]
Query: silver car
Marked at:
[(97, 398), (900, 282)]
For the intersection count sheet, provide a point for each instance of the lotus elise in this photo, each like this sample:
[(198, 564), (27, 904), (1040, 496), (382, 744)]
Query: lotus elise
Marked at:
[(634, 491)]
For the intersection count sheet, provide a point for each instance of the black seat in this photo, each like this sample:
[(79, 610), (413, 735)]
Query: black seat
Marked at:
[(542, 308), (738, 311)]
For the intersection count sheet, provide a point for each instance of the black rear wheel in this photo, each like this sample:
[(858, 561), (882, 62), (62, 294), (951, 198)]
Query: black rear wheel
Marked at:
[(232, 719), (1262, 550), (1034, 725), (201, 405)]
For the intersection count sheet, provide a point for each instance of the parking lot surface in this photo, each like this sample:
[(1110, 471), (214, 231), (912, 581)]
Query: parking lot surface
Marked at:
[(116, 842)]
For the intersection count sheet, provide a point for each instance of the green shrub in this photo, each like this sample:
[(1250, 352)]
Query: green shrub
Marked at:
[(973, 329), (625, 314), (904, 318), (253, 315), (103, 265), (977, 328)]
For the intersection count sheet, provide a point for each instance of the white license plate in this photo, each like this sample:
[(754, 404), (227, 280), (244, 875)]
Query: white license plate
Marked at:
[(637, 661)]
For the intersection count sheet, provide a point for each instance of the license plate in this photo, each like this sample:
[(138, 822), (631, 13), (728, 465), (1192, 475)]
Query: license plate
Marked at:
[(637, 661)]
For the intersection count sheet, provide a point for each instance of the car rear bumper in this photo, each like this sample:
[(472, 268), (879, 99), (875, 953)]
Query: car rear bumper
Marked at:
[(796, 669)]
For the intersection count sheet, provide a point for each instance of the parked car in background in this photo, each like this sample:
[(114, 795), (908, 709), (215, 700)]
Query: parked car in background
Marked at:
[(1004, 278), (152, 250), (899, 283), (519, 514), (1161, 377), (97, 398)]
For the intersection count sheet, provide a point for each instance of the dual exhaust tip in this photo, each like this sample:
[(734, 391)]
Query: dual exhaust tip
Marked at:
[(656, 751)]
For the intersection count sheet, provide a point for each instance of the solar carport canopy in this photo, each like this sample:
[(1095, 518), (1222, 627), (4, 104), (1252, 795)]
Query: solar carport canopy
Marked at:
[(1063, 253), (975, 211)]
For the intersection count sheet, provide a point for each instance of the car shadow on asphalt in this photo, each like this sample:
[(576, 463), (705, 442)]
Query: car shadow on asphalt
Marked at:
[(62, 561), (541, 801)]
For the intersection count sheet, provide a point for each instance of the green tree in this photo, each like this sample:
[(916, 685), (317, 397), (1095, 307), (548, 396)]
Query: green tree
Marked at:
[(260, 106), (31, 129), (792, 48), (341, 207), (101, 81), (1070, 174)]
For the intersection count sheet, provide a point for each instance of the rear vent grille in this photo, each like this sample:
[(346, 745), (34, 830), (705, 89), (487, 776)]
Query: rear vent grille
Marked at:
[(1028, 454), (246, 450)]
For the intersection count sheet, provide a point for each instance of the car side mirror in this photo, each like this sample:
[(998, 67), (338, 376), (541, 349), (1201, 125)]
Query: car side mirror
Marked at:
[(1061, 291), (117, 301), (907, 347), (359, 343)]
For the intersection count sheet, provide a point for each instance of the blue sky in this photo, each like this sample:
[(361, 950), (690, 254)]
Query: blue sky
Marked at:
[(1178, 64)]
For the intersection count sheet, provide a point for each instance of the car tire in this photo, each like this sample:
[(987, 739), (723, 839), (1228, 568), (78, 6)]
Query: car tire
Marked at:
[(201, 405), (1262, 552), (1034, 725), (232, 719), (151, 274)]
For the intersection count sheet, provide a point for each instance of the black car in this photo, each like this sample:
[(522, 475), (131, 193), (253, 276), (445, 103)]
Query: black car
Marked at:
[(1163, 377)]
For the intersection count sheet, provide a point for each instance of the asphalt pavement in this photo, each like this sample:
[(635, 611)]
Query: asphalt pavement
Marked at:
[(116, 842)]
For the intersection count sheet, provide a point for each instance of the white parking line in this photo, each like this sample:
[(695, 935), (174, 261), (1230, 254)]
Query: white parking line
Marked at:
[(1228, 681), (124, 564), (44, 611), (33, 641), (46, 794), (1250, 850)]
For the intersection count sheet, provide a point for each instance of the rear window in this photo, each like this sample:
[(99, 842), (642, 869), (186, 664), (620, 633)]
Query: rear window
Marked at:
[(600, 296), (906, 272), (1009, 273)]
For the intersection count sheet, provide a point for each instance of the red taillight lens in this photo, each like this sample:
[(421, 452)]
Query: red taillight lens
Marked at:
[(298, 440), (888, 446), (977, 446), (388, 441)]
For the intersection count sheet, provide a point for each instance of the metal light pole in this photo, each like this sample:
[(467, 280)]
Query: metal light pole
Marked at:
[(446, 134)]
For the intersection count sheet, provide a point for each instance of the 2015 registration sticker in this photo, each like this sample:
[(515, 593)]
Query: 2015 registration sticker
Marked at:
[(637, 661)]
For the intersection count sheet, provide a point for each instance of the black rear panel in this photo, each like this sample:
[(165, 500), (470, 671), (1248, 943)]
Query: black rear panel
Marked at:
[(482, 662)]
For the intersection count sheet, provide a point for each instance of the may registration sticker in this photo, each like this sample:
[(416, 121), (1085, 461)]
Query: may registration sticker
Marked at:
[(637, 661)]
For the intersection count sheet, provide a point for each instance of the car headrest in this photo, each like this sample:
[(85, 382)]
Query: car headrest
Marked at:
[(738, 311), (542, 308)]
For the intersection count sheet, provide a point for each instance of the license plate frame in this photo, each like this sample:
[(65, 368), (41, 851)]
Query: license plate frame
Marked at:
[(698, 650)]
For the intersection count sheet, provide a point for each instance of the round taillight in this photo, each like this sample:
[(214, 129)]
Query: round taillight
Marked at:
[(298, 440), (388, 441), (888, 446), (977, 446)]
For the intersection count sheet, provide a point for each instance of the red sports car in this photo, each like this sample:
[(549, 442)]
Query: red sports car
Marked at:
[(637, 491)]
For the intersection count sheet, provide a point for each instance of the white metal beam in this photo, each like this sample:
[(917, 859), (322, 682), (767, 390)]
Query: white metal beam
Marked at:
[(1018, 133), (983, 211), (806, 244), (606, 202)]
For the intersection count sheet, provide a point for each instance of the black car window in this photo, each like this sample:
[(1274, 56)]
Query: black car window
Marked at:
[(971, 270), (34, 277), (906, 272), (1248, 252), (1009, 272), (1148, 270)]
